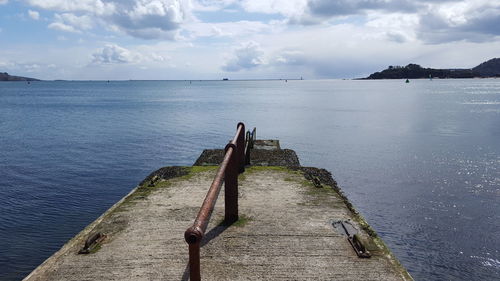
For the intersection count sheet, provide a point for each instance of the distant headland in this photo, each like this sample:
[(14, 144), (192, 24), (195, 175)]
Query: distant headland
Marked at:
[(486, 69), (4, 76)]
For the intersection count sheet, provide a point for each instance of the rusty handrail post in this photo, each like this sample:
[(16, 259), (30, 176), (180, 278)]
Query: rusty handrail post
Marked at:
[(240, 147), (236, 165), (231, 187), (194, 262), (249, 142), (227, 172), (247, 148), (254, 136)]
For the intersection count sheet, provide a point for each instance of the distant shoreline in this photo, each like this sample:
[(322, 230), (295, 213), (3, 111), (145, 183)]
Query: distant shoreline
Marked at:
[(4, 76), (152, 80), (488, 69)]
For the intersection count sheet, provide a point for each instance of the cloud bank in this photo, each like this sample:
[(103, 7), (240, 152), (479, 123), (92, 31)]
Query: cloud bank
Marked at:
[(146, 19), (114, 54), (251, 38), (247, 56)]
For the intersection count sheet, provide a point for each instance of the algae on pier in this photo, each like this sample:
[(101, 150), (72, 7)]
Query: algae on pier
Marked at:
[(284, 230)]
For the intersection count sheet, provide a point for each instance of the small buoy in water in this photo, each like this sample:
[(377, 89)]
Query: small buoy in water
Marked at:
[(407, 81)]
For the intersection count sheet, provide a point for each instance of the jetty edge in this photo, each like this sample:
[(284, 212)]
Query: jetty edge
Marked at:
[(285, 228)]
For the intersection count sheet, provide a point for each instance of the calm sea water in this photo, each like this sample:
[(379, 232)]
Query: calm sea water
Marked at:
[(421, 161)]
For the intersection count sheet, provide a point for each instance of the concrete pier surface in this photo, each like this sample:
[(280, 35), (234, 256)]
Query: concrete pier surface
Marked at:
[(285, 231)]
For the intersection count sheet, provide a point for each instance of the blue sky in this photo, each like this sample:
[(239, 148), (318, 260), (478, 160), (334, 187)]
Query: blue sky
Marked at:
[(245, 39)]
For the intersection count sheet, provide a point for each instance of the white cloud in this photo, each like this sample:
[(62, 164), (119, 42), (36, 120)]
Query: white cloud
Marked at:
[(33, 14), (31, 67), (229, 29), (290, 57), (329, 38), (77, 22), (323, 51), (62, 27), (26, 67), (395, 27), (475, 21), (114, 54), (146, 19), (5, 64), (97, 7), (285, 7), (396, 37), (248, 55), (211, 5), (157, 58), (150, 15), (433, 22), (328, 8), (3, 2)]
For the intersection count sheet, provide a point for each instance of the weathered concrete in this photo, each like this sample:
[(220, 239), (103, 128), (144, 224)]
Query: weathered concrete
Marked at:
[(264, 153), (284, 233), (267, 144)]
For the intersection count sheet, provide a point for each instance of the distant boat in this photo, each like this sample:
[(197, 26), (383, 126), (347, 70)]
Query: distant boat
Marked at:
[(225, 79)]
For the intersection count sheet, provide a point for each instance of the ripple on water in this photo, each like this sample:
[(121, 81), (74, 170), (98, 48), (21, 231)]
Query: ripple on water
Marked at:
[(488, 262)]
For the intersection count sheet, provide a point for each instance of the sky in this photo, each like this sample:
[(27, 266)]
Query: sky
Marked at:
[(241, 39)]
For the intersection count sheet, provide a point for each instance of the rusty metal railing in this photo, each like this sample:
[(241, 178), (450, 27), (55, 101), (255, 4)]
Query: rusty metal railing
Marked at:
[(233, 163), (249, 141)]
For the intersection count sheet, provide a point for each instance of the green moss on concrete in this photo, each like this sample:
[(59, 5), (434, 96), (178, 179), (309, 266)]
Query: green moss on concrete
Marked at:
[(373, 242), (193, 170), (114, 222), (242, 221), (242, 177), (148, 187), (142, 192), (376, 245), (253, 169), (95, 248)]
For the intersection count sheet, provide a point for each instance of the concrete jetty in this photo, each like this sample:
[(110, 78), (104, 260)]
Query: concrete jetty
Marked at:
[(286, 229)]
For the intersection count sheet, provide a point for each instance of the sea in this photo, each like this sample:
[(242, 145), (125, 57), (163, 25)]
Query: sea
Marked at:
[(420, 160)]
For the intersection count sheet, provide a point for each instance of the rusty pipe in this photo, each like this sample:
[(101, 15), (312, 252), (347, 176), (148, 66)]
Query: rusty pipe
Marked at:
[(201, 221), (240, 129), (227, 171), (194, 262), (197, 230)]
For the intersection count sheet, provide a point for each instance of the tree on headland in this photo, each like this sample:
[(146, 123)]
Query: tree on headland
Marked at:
[(489, 68), (4, 76)]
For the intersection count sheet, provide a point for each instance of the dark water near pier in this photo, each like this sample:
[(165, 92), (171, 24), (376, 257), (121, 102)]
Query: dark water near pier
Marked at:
[(421, 161)]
